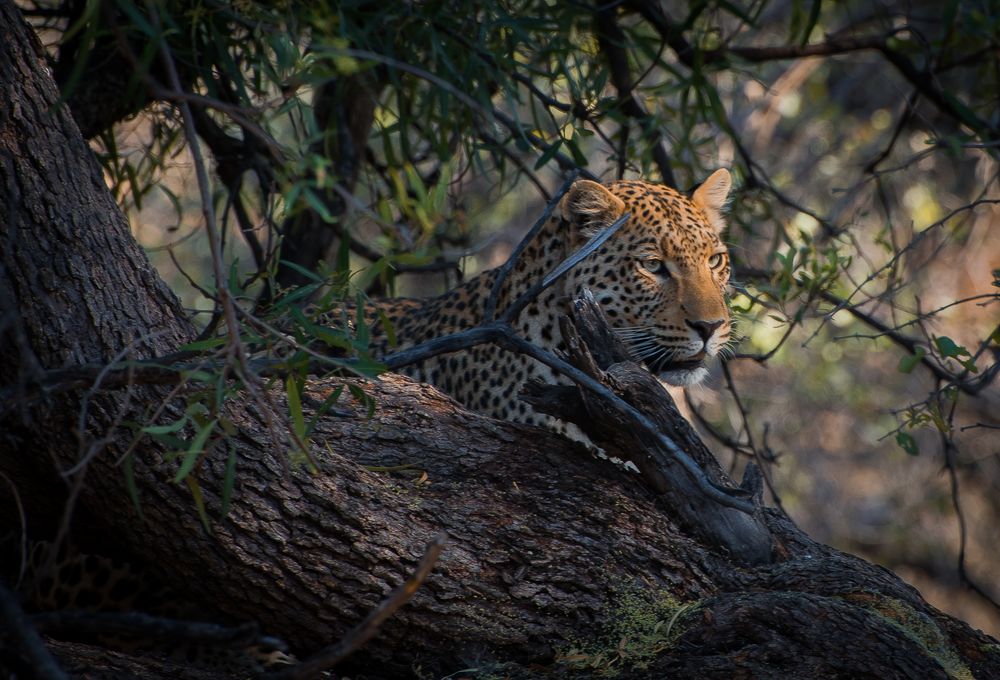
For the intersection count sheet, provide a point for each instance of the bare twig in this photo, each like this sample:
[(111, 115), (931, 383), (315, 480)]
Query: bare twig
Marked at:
[(762, 466), (949, 461), (489, 311), (910, 344), (237, 356), (922, 80), (205, 191), (595, 242), (23, 526)]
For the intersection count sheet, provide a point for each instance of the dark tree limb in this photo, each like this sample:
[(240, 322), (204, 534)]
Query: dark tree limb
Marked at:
[(136, 624), (613, 41), (345, 111), (25, 637)]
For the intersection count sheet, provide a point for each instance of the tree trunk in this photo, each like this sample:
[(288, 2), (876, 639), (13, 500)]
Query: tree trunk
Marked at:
[(345, 111), (549, 552)]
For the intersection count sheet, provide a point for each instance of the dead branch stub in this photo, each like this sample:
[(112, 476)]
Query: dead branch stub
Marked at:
[(594, 349)]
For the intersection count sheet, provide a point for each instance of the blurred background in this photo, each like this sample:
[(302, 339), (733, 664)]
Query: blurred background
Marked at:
[(410, 145)]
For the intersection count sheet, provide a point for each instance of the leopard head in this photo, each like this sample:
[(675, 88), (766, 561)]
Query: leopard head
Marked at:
[(661, 278)]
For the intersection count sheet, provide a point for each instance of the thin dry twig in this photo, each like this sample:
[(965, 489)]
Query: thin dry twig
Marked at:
[(949, 461), (356, 637), (235, 348)]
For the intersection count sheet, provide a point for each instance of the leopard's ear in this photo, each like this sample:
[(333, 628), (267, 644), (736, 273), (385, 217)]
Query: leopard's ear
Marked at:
[(711, 197), (590, 207)]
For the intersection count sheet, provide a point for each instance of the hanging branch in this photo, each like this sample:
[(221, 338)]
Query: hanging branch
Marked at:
[(612, 41), (921, 79)]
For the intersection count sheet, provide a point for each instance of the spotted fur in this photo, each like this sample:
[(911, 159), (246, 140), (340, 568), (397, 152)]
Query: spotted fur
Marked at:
[(660, 279)]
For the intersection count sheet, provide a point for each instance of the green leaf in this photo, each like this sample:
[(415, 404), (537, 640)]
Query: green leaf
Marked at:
[(309, 274), (365, 365), (811, 22), (194, 451), (361, 333), (325, 407), (368, 276), (234, 277), (549, 153), (297, 294), (201, 345), (130, 485), (295, 406), (200, 376), (343, 259), (574, 148), (390, 331), (166, 429), (199, 501), (910, 361), (947, 347), (737, 11), (361, 396), (907, 443)]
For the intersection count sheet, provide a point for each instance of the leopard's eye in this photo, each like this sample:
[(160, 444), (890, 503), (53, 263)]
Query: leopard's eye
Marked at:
[(655, 265), (716, 260)]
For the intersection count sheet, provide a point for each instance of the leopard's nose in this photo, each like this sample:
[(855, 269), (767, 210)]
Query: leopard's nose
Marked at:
[(705, 329)]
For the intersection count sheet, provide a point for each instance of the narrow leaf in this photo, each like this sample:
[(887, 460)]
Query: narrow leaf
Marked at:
[(130, 485), (907, 443), (910, 361), (194, 451), (199, 501), (166, 429), (295, 405)]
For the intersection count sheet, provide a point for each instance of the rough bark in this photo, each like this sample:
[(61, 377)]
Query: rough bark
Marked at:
[(545, 543)]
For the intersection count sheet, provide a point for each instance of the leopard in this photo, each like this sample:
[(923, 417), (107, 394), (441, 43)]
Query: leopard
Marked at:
[(661, 280)]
